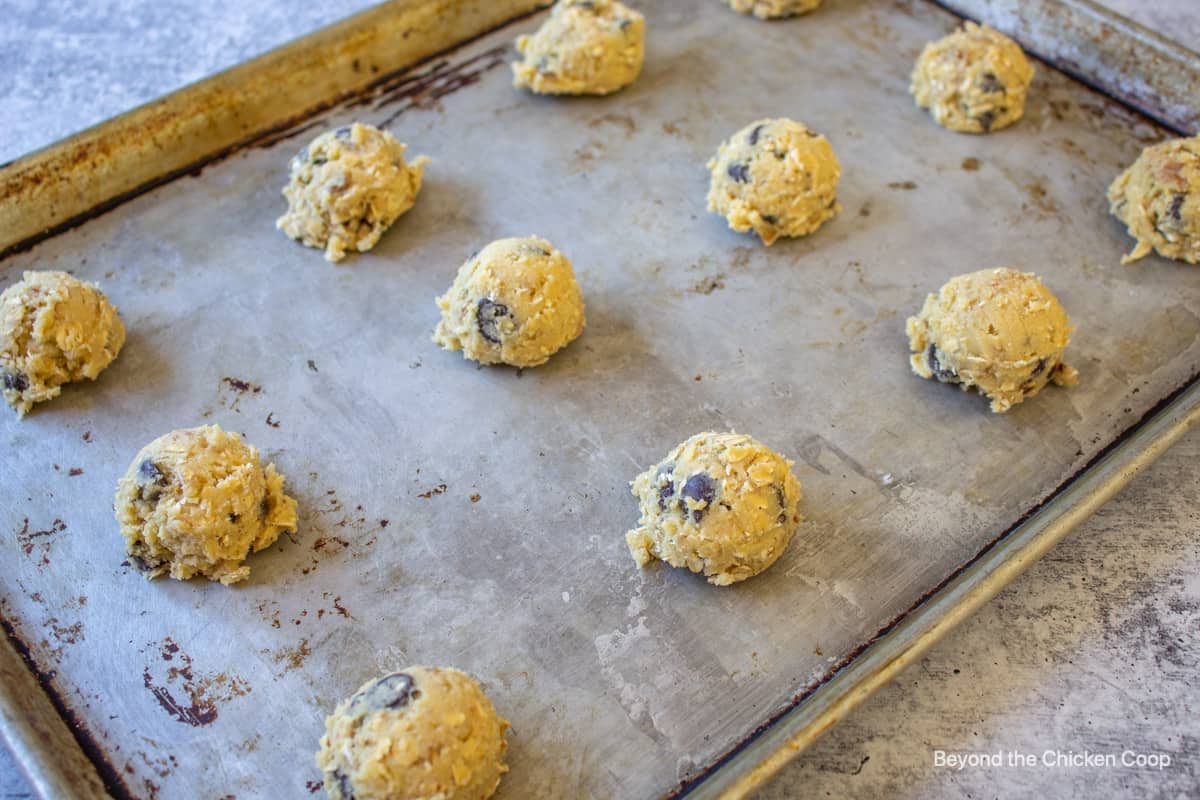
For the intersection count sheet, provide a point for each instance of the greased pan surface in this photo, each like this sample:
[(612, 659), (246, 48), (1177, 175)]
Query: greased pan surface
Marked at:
[(475, 517)]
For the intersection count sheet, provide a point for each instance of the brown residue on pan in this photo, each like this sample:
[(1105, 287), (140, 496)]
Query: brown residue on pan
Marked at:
[(970, 164), (200, 695), (907, 186), (292, 657), (424, 89), (39, 540), (439, 489)]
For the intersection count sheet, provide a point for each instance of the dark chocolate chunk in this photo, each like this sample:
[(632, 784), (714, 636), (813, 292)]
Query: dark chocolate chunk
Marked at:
[(781, 497), (488, 316), (754, 134), (390, 691), (943, 374), (15, 381), (666, 489), (1038, 368), (986, 119), (263, 508), (700, 488), (739, 172), (988, 83), (1177, 207), (234, 517), (150, 473), (319, 160), (770, 219), (344, 786)]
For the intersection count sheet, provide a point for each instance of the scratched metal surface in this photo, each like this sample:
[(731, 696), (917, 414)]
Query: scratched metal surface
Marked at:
[(453, 515)]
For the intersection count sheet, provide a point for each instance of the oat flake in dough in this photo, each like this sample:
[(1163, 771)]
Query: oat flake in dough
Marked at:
[(1158, 199), (348, 187), (54, 329), (426, 733), (773, 9), (997, 330), (584, 47), (514, 302), (197, 502), (973, 81), (775, 177), (720, 504)]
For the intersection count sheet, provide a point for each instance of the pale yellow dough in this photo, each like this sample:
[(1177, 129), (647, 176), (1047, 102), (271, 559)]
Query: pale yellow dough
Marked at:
[(973, 81), (720, 504), (54, 329), (1158, 199), (426, 733), (997, 330), (775, 177), (773, 9), (515, 302), (348, 187), (585, 47), (197, 502)]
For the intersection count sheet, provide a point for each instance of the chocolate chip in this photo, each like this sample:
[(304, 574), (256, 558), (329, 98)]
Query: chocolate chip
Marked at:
[(390, 691), (1038, 368), (781, 497), (1177, 207), (988, 83), (739, 172), (770, 219), (15, 381), (700, 488), (535, 249), (488, 316), (986, 119), (150, 473), (666, 489), (754, 134), (943, 374), (319, 160), (264, 508), (344, 786), (234, 517), (625, 23)]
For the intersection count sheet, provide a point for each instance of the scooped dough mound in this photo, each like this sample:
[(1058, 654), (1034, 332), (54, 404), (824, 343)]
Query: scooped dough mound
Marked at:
[(54, 329), (997, 330), (585, 47), (973, 81), (720, 504), (348, 187), (1158, 199), (427, 733), (773, 9), (514, 302), (197, 502), (775, 177)]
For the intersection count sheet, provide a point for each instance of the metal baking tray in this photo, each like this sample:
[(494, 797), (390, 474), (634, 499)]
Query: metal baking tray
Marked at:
[(475, 517)]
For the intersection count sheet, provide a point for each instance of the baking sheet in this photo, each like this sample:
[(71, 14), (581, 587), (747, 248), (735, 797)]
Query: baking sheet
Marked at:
[(475, 517)]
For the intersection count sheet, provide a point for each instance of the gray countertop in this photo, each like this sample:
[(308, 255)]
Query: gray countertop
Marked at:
[(1093, 651)]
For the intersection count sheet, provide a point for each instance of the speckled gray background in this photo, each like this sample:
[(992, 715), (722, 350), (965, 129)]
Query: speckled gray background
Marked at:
[(1094, 649)]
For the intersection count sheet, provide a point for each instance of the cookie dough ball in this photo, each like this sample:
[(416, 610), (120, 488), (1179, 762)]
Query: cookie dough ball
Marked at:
[(721, 504), (997, 330), (514, 302), (1158, 199), (348, 187), (427, 733), (775, 177), (197, 502), (585, 47), (973, 81), (54, 329), (773, 9)]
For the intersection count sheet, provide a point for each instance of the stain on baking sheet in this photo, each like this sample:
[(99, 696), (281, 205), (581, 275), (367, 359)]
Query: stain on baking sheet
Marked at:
[(424, 90), (37, 543), (189, 699)]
